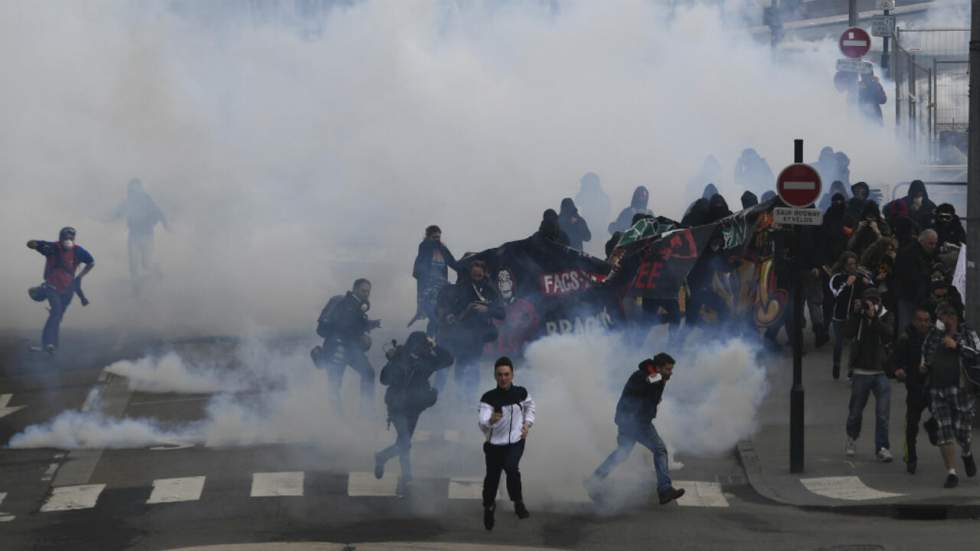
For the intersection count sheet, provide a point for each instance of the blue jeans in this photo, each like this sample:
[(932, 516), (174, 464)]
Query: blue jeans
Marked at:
[(404, 423), (861, 387), (58, 303), (647, 437)]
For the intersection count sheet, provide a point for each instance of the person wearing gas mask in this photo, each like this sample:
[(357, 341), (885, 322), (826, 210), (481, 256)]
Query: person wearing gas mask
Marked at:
[(345, 328), (62, 259), (469, 308), (948, 226), (635, 411), (871, 328), (409, 394)]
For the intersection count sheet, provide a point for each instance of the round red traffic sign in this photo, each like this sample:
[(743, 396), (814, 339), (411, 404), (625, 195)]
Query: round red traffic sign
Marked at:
[(854, 42), (798, 185)]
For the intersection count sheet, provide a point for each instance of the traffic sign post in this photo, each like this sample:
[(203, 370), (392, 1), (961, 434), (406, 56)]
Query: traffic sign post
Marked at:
[(854, 43), (798, 185)]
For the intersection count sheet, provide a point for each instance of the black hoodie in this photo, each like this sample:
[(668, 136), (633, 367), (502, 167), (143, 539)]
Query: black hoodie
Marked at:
[(638, 205), (572, 223), (637, 405)]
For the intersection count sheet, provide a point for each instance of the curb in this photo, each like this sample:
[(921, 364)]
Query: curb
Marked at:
[(922, 510)]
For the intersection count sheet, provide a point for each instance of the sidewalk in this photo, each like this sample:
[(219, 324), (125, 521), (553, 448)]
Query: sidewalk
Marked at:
[(831, 480)]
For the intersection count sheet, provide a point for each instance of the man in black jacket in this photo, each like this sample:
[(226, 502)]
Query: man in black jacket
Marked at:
[(908, 357), (409, 394), (913, 267), (344, 326), (469, 308), (635, 412)]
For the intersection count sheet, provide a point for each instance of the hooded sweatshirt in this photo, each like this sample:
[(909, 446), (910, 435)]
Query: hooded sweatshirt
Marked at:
[(638, 205), (903, 207), (573, 224)]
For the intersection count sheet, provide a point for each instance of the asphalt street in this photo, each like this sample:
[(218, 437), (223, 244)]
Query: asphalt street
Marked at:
[(173, 495)]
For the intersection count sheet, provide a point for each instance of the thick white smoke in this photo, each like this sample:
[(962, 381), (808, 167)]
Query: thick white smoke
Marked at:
[(170, 374), (291, 158)]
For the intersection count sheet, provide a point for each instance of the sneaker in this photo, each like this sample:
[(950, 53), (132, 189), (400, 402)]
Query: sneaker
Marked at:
[(911, 466), (488, 517), (951, 481), (670, 494), (932, 430), (50, 349), (971, 465), (885, 455), (379, 467), (521, 510), (836, 371), (850, 447)]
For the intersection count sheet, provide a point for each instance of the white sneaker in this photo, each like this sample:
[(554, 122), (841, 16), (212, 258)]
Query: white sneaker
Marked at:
[(884, 455), (850, 447)]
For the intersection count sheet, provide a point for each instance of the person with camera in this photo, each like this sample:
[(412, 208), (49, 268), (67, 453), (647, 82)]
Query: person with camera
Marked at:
[(468, 309), (871, 329), (345, 328), (847, 284), (951, 360), (409, 394), (635, 411), (506, 415), (62, 259)]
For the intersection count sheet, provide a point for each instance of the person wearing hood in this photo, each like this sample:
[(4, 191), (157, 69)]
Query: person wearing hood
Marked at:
[(843, 163), (860, 197), (870, 329), (638, 205), (752, 172), (826, 164), (831, 233), (948, 226), (550, 228), (61, 260), (697, 214), (915, 206), (906, 231), (431, 272), (870, 228), (835, 188), (591, 200), (871, 96), (717, 208), (574, 226), (345, 328), (409, 393), (749, 200)]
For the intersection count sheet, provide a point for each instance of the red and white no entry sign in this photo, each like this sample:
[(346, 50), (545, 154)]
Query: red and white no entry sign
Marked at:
[(798, 185), (854, 43)]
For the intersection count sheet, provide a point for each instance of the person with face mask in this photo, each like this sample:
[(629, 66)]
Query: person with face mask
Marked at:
[(949, 228), (837, 187), (915, 206), (345, 328), (638, 205), (574, 226), (635, 412), (951, 361), (407, 376), (62, 259), (468, 310)]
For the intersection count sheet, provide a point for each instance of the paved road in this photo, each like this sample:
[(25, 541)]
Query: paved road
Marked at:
[(176, 496)]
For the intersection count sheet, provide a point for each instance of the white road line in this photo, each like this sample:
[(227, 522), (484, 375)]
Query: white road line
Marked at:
[(68, 498), (701, 494), (4, 517), (365, 485), (277, 484), (4, 410), (170, 490), (466, 487), (844, 487)]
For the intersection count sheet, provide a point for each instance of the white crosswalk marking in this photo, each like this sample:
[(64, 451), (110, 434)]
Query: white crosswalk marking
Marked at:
[(701, 494), (844, 487), (4, 410), (68, 498), (277, 484), (365, 485), (4, 517), (171, 490)]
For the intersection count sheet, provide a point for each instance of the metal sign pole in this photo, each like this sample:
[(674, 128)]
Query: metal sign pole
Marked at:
[(796, 393)]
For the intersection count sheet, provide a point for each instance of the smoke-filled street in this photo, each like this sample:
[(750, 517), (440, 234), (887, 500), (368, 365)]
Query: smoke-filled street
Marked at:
[(441, 274)]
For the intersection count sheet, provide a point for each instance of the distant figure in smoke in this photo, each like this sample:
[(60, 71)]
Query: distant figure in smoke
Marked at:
[(826, 165), (871, 96), (752, 172), (431, 272), (836, 187), (635, 411), (550, 228), (142, 215), (409, 394), (843, 167), (709, 172), (507, 414), (592, 200), (468, 309), (62, 259), (344, 326), (574, 226), (638, 205)]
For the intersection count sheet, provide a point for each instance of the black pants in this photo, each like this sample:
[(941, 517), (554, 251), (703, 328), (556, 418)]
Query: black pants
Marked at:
[(916, 401), (503, 458)]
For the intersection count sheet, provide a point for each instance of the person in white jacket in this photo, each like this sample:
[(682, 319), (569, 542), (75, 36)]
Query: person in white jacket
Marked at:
[(506, 416)]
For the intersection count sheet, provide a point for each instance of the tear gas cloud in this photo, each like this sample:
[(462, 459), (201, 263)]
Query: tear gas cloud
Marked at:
[(292, 155)]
